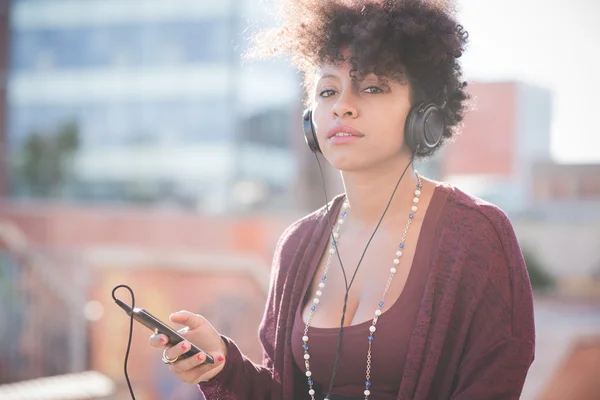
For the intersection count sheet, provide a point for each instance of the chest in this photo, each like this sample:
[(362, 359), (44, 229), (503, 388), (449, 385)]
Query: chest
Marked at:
[(373, 282)]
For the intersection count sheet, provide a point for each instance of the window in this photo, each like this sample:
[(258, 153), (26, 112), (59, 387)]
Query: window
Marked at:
[(135, 44), (589, 187), (561, 188), (119, 124)]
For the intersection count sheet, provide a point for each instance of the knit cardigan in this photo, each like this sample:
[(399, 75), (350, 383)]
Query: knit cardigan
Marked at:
[(474, 336)]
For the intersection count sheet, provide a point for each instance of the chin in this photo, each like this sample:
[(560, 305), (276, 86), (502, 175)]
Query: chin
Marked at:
[(352, 161), (346, 162)]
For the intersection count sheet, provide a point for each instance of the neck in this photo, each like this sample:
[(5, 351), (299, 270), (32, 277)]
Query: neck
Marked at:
[(369, 192)]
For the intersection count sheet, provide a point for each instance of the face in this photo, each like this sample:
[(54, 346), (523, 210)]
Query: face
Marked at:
[(359, 124)]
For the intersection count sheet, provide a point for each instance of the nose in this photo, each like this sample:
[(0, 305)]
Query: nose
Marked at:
[(345, 106)]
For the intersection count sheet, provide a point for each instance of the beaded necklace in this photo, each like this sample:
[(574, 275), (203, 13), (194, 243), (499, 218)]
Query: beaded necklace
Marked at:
[(378, 310)]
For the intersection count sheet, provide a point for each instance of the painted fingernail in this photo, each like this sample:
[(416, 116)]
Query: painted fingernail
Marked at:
[(162, 340), (200, 357), (183, 346), (220, 358)]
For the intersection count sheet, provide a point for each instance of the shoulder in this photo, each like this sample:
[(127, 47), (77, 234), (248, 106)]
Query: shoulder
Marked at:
[(482, 249), (474, 221), (471, 211), (479, 236)]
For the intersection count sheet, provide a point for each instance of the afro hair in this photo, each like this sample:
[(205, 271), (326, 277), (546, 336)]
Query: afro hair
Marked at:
[(417, 42)]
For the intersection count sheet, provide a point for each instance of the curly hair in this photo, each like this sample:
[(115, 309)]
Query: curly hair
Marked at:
[(411, 41)]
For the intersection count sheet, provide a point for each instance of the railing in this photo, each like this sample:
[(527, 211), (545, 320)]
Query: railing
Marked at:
[(42, 326)]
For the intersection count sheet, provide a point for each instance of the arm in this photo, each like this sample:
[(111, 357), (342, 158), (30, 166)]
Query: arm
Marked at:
[(496, 373), (240, 378), (500, 344)]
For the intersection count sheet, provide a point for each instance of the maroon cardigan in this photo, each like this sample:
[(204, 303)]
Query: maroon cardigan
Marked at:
[(474, 337)]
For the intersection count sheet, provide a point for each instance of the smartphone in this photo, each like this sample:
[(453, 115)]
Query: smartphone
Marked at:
[(157, 326)]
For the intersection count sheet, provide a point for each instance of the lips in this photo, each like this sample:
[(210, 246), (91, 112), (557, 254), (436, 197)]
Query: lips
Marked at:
[(343, 129)]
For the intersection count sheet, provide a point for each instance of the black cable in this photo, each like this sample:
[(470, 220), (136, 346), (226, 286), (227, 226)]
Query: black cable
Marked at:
[(348, 286), (130, 334)]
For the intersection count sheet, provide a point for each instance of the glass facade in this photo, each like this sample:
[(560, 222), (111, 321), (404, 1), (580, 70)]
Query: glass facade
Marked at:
[(137, 82), (135, 44), (126, 123)]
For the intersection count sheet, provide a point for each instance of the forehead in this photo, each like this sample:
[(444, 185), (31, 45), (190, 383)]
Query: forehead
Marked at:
[(343, 71), (339, 70)]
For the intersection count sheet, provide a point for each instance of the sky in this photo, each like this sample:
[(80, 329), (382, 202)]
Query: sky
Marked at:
[(550, 43)]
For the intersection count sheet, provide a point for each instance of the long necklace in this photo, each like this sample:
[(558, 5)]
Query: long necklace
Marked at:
[(378, 310)]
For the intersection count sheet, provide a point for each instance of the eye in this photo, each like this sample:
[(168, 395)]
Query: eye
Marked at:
[(373, 89), (327, 93)]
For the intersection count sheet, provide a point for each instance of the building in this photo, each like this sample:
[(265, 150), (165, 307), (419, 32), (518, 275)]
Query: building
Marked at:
[(504, 135), (4, 50), (161, 108), (503, 155), (566, 191)]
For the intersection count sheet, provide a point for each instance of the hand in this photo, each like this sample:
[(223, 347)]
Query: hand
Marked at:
[(201, 333)]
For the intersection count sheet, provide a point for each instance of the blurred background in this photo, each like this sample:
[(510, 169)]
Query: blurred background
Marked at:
[(136, 148)]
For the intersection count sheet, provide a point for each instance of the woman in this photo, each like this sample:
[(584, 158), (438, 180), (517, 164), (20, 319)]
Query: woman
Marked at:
[(428, 282)]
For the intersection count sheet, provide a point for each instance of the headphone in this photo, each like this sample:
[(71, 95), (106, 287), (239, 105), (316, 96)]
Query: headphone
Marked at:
[(423, 129)]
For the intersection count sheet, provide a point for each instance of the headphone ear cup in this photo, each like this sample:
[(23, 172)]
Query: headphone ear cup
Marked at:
[(409, 128), (309, 132), (424, 128)]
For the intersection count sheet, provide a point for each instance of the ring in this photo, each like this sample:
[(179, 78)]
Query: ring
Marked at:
[(166, 359)]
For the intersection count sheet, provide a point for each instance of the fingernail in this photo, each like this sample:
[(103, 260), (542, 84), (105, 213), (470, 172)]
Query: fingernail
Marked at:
[(183, 347), (162, 340), (200, 357), (220, 358)]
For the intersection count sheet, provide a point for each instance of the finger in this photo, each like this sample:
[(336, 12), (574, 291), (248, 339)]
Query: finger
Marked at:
[(191, 320), (188, 363), (201, 372), (158, 340), (180, 348), (209, 371)]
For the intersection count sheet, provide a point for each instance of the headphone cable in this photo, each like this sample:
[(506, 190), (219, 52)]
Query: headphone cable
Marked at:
[(348, 286), (130, 335)]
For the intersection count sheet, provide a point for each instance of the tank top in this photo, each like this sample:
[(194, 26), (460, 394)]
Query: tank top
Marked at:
[(388, 350)]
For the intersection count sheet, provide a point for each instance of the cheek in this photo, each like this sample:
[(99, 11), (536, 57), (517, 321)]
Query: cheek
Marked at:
[(391, 128), (400, 122)]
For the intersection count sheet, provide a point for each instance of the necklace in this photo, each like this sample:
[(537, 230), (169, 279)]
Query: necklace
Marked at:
[(378, 311)]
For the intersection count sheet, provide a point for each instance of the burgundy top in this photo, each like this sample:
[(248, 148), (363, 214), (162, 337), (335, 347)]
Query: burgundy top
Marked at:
[(473, 337), (388, 351)]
